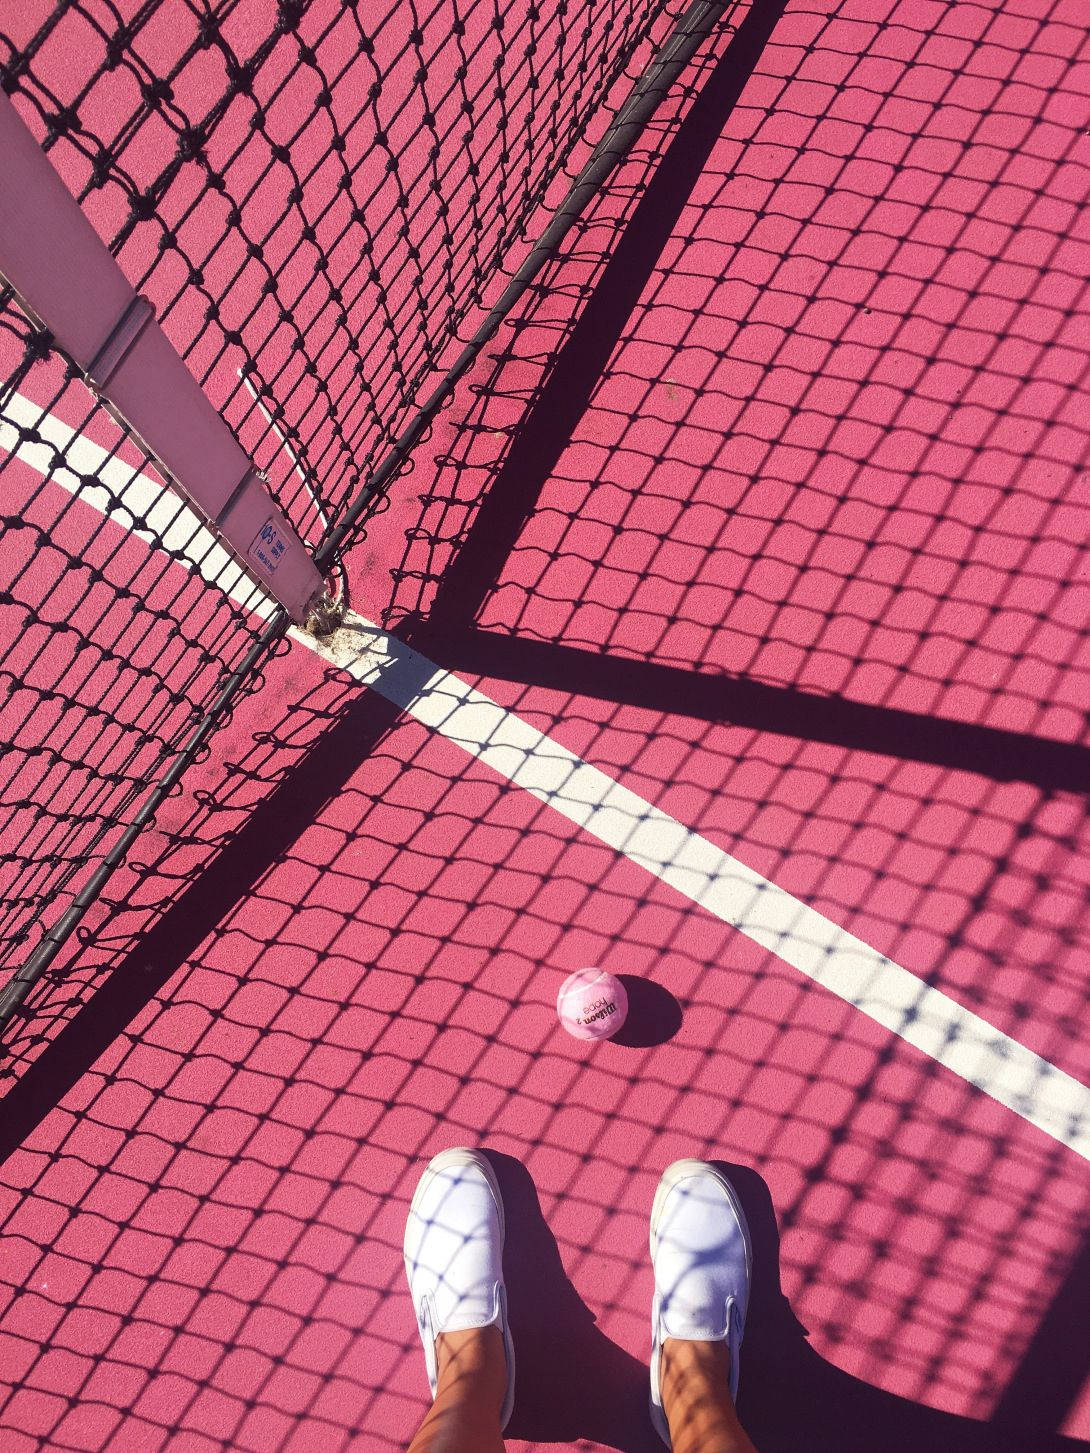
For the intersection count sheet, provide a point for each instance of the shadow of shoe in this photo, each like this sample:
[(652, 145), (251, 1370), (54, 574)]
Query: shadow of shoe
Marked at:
[(791, 1400), (571, 1381)]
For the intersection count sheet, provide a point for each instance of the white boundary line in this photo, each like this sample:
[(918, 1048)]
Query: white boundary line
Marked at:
[(123, 494), (821, 950)]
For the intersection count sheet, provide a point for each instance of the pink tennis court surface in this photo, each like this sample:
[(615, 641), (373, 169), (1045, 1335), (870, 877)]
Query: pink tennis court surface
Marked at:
[(774, 508)]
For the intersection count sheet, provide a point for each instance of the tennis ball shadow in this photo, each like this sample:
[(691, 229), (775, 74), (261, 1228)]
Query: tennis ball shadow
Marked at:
[(791, 1400), (654, 1015)]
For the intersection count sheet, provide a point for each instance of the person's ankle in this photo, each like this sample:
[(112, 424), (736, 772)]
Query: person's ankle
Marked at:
[(472, 1361), (695, 1382), (684, 1357)]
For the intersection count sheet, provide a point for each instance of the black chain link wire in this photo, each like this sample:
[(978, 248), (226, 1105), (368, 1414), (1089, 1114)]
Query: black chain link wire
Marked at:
[(321, 203), (206, 1180)]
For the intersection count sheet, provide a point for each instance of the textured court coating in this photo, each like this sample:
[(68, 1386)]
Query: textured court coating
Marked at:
[(772, 506)]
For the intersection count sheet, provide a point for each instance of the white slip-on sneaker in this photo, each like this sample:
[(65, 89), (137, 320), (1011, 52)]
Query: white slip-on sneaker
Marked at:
[(454, 1256), (700, 1252)]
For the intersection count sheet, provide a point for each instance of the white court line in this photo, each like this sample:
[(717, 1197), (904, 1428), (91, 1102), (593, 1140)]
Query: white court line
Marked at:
[(829, 955), (871, 982), (123, 494)]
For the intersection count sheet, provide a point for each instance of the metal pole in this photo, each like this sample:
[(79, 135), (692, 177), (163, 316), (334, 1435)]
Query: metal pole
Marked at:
[(65, 276)]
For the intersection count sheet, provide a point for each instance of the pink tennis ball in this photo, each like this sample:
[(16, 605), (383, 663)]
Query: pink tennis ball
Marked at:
[(592, 1004)]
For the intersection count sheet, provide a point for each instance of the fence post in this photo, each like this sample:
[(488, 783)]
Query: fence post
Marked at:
[(66, 277)]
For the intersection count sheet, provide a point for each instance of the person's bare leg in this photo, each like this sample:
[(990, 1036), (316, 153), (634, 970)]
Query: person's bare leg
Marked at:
[(465, 1416), (696, 1398), (701, 1256), (454, 1264)]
